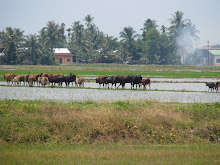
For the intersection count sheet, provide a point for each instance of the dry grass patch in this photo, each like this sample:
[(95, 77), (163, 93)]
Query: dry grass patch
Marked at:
[(108, 122)]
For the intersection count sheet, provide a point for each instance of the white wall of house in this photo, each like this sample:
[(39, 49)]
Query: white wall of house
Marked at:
[(217, 60)]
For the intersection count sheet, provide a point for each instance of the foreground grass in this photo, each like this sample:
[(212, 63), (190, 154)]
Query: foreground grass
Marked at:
[(108, 122), (121, 132), (180, 71), (110, 154)]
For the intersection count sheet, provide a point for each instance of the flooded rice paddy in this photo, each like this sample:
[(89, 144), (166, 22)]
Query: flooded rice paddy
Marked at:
[(168, 92)]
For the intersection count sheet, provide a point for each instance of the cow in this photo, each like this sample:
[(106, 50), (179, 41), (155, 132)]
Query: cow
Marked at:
[(36, 77), (31, 80), (59, 80), (125, 79), (54, 75), (115, 80), (211, 85), (101, 80), (109, 80), (136, 79), (217, 85), (18, 79), (44, 81), (69, 78), (9, 77), (15, 80), (145, 81), (80, 81)]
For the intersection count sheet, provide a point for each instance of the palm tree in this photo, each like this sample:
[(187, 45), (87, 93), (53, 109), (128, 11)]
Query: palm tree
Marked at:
[(149, 23), (89, 21), (177, 22), (77, 38), (33, 49), (128, 36), (53, 35), (12, 39)]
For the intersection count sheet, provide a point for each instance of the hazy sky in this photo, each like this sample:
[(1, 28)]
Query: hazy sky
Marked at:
[(111, 16)]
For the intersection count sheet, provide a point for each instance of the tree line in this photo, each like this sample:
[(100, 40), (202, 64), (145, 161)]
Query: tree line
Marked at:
[(156, 45)]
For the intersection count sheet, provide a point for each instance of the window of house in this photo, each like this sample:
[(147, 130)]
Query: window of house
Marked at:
[(217, 60), (68, 60)]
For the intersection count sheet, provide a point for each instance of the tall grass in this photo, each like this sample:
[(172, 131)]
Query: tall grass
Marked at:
[(125, 122)]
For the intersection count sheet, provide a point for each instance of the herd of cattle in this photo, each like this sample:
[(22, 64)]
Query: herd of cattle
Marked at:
[(44, 79), (58, 78)]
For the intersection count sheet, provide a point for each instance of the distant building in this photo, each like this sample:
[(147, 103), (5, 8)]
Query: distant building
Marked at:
[(64, 56), (210, 55)]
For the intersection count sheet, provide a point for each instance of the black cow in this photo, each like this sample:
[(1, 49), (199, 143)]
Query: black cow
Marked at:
[(109, 80), (69, 78), (116, 79), (211, 85), (136, 79), (125, 79), (59, 80)]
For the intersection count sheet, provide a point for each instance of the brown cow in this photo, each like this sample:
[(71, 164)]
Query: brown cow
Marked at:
[(145, 81), (55, 75), (31, 80), (18, 79), (9, 77), (80, 81), (44, 81), (101, 80)]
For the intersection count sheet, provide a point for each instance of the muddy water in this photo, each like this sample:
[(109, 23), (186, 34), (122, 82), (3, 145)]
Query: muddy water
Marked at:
[(71, 94)]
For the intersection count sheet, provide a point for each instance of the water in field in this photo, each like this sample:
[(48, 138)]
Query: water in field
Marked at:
[(154, 86), (71, 94)]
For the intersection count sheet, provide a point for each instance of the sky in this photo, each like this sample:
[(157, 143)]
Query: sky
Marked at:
[(111, 16)]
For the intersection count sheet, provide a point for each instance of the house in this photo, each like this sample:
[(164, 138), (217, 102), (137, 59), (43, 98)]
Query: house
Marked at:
[(210, 55), (64, 56)]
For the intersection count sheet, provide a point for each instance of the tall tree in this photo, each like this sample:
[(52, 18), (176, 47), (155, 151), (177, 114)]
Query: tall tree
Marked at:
[(128, 37), (12, 39), (89, 21), (177, 22), (148, 24), (53, 35), (33, 52), (77, 38)]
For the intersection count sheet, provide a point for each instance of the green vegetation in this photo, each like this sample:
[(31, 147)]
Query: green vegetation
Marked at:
[(178, 71), (39, 122), (121, 132), (156, 45)]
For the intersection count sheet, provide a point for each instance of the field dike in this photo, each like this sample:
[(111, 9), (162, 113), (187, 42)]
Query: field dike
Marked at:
[(126, 122)]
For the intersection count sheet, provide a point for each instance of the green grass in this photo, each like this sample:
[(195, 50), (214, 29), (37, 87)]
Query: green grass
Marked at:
[(32, 122), (117, 132), (180, 71), (110, 154)]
